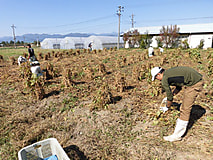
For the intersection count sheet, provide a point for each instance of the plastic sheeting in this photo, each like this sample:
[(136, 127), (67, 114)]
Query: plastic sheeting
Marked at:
[(101, 42), (51, 43), (72, 43), (98, 42)]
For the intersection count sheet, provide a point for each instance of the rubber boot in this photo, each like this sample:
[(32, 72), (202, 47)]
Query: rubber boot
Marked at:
[(180, 129)]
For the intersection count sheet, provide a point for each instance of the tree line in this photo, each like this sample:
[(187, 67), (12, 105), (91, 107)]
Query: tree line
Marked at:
[(18, 43)]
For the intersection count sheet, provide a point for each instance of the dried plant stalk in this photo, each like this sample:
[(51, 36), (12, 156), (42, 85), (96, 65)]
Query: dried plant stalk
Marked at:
[(40, 56), (68, 78), (102, 98), (121, 84), (102, 69), (39, 91), (12, 60)]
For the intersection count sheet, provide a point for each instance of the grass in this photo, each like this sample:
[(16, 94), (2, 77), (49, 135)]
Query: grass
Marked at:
[(7, 52)]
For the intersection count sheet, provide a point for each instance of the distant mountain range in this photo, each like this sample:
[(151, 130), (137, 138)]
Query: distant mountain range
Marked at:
[(34, 37)]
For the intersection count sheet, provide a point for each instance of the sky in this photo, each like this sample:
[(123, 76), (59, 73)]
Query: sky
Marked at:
[(97, 16)]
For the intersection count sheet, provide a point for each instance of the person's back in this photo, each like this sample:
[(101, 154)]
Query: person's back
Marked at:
[(21, 60), (35, 68), (31, 52), (161, 50), (31, 56), (151, 51), (182, 75)]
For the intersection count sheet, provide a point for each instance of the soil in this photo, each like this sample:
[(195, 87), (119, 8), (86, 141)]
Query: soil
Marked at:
[(107, 113)]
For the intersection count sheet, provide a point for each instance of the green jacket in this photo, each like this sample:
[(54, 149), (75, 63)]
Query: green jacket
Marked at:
[(179, 76)]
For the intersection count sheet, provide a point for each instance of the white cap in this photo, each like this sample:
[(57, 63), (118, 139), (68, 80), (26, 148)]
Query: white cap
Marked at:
[(155, 71)]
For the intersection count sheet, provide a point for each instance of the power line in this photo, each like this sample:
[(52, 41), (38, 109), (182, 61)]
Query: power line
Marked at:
[(91, 20), (179, 19), (85, 28), (66, 26), (71, 24)]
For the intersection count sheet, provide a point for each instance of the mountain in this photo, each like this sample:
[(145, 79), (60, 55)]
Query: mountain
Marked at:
[(34, 37)]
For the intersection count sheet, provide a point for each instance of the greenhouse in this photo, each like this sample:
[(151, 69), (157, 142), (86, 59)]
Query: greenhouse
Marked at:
[(97, 42), (51, 43), (72, 43), (101, 42)]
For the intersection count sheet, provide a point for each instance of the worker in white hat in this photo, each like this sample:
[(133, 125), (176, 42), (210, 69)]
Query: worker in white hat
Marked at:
[(180, 77), (35, 68), (150, 51)]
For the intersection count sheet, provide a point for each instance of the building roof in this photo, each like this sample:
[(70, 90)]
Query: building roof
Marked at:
[(189, 29), (74, 39), (104, 39)]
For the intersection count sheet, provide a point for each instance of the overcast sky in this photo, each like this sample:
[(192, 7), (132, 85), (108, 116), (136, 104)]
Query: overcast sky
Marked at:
[(97, 16)]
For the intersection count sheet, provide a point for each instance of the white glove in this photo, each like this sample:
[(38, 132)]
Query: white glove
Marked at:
[(164, 109), (164, 100)]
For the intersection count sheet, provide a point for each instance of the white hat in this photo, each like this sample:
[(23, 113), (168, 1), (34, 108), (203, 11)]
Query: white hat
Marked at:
[(155, 71)]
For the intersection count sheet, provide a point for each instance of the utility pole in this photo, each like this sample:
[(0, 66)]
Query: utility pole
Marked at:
[(132, 19), (24, 41), (120, 9), (37, 41), (14, 36)]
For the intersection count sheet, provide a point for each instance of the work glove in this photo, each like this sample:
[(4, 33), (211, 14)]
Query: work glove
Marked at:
[(164, 100), (164, 109), (163, 106)]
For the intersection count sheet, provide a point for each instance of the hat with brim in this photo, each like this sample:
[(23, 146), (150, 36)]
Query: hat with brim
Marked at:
[(155, 71)]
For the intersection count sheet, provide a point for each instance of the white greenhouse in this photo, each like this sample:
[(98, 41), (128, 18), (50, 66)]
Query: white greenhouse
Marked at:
[(98, 42), (51, 43), (101, 42), (72, 43)]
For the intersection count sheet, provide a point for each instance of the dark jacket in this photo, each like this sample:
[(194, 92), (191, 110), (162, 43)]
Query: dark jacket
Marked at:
[(179, 76), (31, 52)]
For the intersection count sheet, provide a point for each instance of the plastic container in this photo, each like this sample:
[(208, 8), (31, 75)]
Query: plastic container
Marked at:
[(43, 149)]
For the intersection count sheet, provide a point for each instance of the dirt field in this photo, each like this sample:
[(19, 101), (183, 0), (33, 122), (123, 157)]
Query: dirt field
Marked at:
[(103, 105)]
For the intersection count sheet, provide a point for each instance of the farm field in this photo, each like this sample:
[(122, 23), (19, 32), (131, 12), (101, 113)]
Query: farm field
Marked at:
[(102, 104)]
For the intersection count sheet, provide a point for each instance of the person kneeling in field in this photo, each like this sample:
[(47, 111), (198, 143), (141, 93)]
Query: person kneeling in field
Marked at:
[(180, 77), (35, 68), (21, 60), (150, 51)]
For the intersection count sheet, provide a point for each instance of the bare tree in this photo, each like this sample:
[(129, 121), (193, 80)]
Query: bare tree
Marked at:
[(133, 37), (126, 36), (169, 35)]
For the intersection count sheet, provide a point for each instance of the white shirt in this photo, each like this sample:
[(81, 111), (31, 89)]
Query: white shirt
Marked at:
[(161, 49), (150, 50), (21, 60), (36, 70)]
